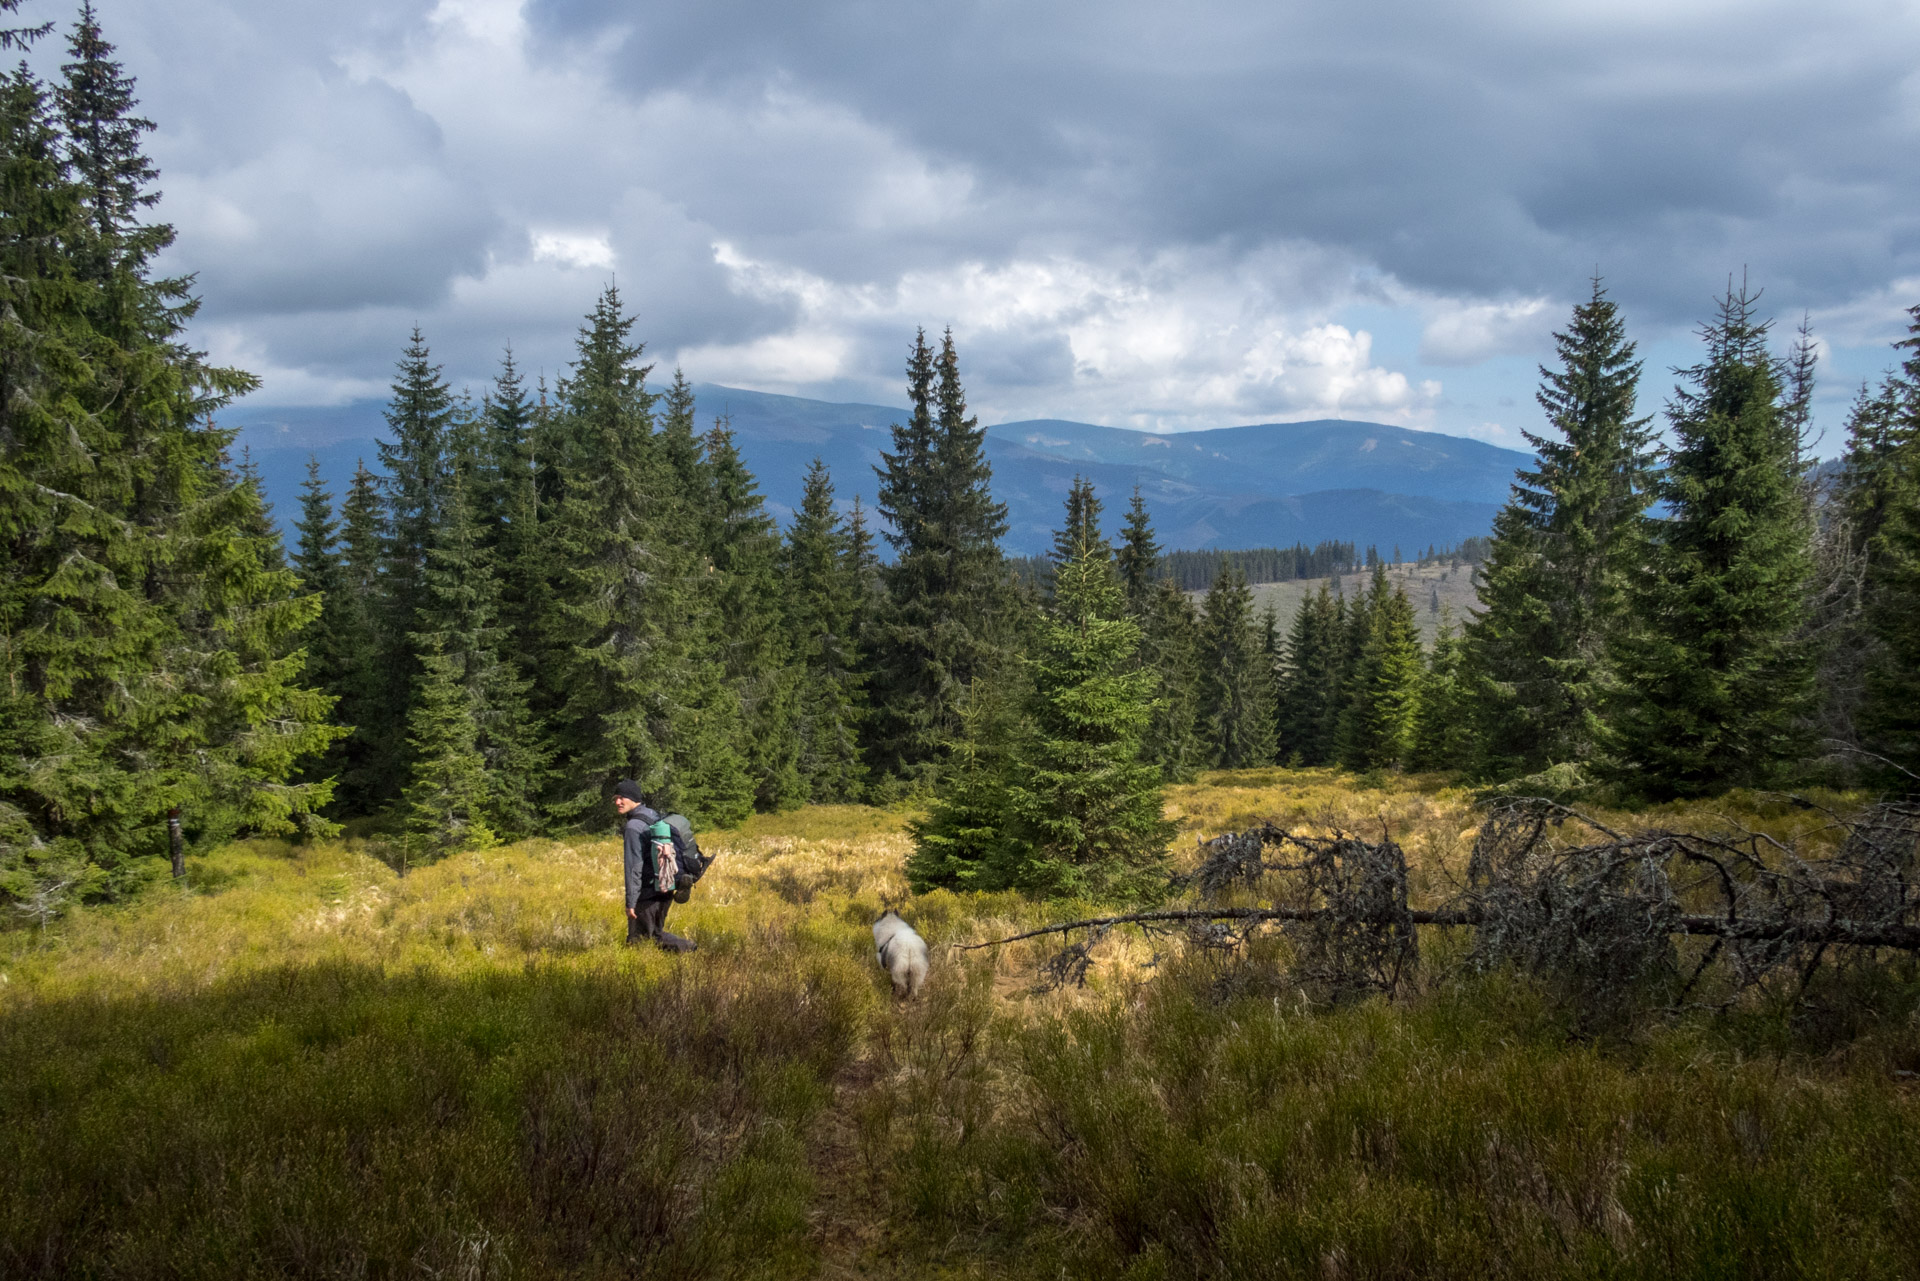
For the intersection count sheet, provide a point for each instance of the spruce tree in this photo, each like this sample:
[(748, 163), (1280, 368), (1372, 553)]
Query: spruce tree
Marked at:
[(318, 563), (1312, 680), (1273, 648), (1170, 648), (942, 624), (333, 640), (744, 550), (869, 600), (446, 794), (360, 684), (104, 151), (418, 416), (507, 509), (961, 842), (1881, 499), (1718, 677), (1540, 650), (1084, 808), (679, 445), (458, 624), (975, 523), (1236, 685), (1890, 717), (613, 670), (821, 599), (147, 620), (247, 718), (1442, 730), (639, 692), (1383, 686), (1059, 801), (1138, 556), (79, 630), (1081, 528)]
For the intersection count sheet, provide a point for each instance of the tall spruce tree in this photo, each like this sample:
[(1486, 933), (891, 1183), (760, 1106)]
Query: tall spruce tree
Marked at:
[(418, 415), (1312, 680), (679, 445), (1080, 529), (78, 628), (1083, 805), (458, 630), (1138, 556), (507, 509), (1718, 678), (744, 550), (1442, 730), (1063, 802), (1236, 683), (961, 842), (822, 595), (1169, 647), (360, 686), (611, 670), (334, 640), (638, 690), (148, 625), (247, 718), (1383, 685), (1552, 592), (939, 630), (1880, 497), (445, 798)]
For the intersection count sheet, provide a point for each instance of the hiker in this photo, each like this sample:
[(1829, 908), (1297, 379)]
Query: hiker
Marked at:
[(647, 861)]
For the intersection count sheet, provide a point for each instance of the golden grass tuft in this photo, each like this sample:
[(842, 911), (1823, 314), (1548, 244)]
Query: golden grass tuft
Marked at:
[(302, 1062)]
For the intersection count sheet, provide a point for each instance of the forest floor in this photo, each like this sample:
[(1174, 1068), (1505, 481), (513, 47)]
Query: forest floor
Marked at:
[(302, 1063)]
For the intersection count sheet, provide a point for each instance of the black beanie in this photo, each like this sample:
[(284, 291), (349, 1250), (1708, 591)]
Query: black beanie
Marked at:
[(631, 790)]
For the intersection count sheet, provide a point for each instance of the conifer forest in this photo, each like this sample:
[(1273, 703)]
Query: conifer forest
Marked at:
[(277, 785)]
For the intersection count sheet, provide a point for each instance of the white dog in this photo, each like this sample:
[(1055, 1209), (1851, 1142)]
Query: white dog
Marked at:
[(902, 953)]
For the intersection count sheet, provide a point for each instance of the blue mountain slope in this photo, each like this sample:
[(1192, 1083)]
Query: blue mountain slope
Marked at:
[(1291, 458), (1276, 483)]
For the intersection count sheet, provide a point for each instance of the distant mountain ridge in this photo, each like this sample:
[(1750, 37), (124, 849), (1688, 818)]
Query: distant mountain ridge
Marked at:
[(1270, 484)]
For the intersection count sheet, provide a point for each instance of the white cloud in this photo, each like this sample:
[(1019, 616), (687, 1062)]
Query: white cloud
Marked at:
[(573, 249), (1873, 319), (1466, 332), (1175, 342)]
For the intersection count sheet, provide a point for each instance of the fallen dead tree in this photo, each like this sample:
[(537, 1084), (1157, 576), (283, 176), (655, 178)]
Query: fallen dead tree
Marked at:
[(1597, 917)]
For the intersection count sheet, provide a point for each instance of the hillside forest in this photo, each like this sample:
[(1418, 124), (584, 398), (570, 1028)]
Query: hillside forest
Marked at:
[(550, 588)]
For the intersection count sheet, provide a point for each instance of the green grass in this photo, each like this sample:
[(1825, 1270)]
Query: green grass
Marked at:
[(306, 1065)]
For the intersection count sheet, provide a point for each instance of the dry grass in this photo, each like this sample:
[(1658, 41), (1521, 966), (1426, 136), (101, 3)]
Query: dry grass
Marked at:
[(306, 1064)]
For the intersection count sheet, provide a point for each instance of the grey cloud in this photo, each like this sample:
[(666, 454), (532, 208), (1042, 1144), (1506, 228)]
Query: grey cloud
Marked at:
[(1483, 149), (1305, 156)]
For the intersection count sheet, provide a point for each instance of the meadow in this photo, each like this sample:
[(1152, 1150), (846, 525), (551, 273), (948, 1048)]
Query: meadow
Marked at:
[(304, 1063)]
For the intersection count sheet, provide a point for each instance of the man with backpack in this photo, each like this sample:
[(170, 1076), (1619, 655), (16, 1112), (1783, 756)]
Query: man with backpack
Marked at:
[(650, 867)]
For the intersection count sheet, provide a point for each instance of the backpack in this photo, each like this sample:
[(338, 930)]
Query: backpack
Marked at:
[(666, 863), (691, 863)]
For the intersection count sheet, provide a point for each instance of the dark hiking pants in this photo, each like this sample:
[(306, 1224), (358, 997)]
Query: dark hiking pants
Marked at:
[(649, 921)]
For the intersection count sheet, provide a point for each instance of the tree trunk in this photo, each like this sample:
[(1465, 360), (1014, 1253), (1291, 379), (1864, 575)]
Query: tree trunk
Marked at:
[(178, 842)]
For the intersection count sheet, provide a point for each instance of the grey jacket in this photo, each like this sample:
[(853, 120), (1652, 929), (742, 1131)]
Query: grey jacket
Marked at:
[(636, 856)]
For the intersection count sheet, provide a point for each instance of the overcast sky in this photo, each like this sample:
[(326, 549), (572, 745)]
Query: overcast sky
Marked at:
[(1142, 214)]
